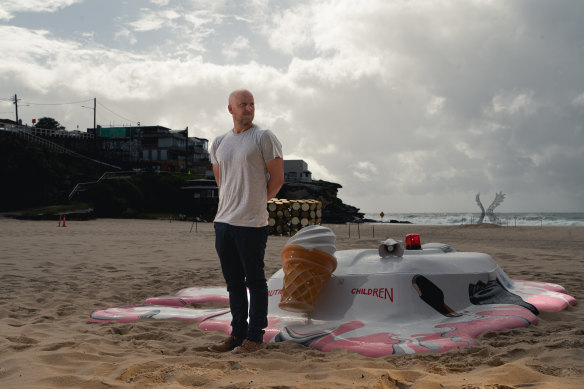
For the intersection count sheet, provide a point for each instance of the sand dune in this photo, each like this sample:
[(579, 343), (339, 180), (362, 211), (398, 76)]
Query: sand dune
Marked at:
[(52, 278)]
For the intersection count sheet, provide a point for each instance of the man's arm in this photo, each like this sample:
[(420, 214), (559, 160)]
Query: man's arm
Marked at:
[(216, 174), (276, 171)]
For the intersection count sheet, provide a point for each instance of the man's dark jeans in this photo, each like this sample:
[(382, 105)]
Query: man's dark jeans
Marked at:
[(241, 252)]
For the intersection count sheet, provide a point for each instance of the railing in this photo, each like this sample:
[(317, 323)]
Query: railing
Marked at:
[(61, 133), (26, 133), (46, 132), (104, 176)]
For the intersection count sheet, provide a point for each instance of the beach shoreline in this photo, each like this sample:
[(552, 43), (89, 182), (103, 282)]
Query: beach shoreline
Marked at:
[(52, 278)]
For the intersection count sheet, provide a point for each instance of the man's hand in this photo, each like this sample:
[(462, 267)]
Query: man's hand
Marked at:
[(216, 174)]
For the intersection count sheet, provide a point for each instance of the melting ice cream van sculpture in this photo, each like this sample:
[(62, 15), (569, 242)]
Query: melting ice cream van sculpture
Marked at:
[(389, 300)]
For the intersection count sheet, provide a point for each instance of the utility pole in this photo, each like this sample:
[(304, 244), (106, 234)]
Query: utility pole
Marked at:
[(186, 149), (16, 104), (94, 111)]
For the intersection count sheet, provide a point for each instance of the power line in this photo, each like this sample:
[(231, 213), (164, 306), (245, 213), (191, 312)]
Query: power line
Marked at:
[(27, 103), (117, 114), (73, 102)]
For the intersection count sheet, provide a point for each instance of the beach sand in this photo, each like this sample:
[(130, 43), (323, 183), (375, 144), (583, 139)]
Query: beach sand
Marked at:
[(52, 278)]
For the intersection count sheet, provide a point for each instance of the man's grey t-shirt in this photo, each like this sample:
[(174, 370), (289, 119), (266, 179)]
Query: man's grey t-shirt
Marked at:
[(243, 175)]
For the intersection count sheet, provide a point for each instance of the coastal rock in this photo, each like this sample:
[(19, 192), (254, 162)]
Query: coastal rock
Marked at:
[(334, 210)]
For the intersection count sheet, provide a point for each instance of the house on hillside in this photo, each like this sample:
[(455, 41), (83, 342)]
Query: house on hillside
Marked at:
[(7, 123), (157, 147), (296, 170)]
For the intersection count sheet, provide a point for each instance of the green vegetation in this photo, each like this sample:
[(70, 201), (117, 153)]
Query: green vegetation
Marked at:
[(138, 195), (49, 124), (34, 177), (40, 182)]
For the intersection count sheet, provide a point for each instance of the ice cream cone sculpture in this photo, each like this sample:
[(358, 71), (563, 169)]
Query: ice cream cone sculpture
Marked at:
[(305, 273)]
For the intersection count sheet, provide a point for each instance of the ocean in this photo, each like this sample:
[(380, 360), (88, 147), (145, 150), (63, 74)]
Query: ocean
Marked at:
[(506, 219)]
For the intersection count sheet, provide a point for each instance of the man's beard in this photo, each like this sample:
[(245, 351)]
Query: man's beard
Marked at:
[(244, 121)]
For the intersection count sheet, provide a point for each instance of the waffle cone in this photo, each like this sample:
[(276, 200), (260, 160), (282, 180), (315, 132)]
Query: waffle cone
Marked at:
[(305, 273)]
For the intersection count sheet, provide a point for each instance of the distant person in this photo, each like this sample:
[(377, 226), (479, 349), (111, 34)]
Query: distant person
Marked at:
[(248, 167)]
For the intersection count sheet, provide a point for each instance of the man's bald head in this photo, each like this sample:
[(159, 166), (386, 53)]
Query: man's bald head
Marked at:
[(237, 93), (242, 108)]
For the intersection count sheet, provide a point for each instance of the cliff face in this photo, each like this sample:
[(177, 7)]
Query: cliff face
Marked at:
[(334, 210), (37, 177), (33, 176)]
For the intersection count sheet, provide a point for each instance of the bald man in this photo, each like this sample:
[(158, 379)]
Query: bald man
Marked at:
[(248, 167)]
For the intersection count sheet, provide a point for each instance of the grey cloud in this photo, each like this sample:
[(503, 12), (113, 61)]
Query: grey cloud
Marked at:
[(411, 106)]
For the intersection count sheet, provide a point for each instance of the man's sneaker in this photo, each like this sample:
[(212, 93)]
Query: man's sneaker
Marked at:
[(227, 344), (248, 347)]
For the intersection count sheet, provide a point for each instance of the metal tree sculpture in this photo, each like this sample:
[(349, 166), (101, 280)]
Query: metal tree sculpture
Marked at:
[(499, 197)]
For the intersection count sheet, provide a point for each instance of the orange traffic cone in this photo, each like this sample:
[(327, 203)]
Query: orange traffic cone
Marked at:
[(64, 220)]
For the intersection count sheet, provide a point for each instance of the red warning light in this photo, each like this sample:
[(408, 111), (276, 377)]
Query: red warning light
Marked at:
[(413, 242)]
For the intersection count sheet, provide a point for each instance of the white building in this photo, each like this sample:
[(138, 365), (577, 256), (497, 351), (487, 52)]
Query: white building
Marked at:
[(296, 170)]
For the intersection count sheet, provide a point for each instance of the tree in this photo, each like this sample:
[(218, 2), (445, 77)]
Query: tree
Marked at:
[(49, 124)]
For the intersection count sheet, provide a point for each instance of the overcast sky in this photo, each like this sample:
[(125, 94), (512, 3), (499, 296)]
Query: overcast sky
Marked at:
[(412, 106)]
